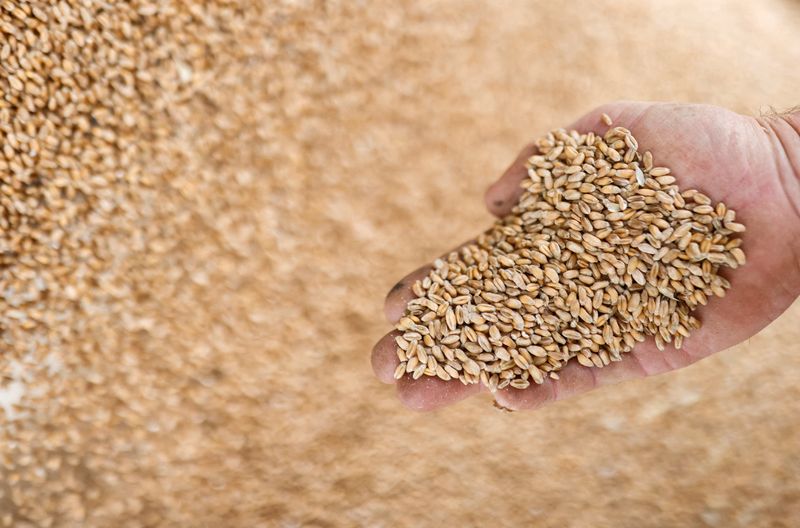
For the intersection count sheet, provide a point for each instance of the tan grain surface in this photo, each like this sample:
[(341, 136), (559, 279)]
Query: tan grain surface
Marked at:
[(322, 151)]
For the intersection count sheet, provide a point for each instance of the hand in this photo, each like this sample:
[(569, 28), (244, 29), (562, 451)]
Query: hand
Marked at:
[(753, 165)]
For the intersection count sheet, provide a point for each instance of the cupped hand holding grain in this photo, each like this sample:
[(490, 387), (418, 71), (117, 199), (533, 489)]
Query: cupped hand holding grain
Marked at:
[(752, 165)]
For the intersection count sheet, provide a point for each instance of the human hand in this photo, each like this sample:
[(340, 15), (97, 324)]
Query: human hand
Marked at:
[(753, 165)]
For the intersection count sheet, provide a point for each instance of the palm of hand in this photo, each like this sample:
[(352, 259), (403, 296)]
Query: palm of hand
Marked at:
[(727, 156)]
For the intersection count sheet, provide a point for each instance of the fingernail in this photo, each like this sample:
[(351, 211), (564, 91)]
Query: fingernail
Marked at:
[(396, 287)]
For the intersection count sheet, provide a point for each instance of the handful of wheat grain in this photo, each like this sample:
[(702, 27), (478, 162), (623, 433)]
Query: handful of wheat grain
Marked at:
[(601, 251)]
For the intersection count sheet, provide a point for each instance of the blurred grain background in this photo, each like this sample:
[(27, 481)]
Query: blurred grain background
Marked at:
[(323, 150)]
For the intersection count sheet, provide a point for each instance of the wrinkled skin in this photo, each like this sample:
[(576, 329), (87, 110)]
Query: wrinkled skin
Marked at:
[(753, 165)]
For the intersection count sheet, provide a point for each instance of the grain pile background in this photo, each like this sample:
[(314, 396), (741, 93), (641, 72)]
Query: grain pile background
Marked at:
[(242, 191)]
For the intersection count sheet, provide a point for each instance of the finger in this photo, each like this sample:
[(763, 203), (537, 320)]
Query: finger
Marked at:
[(384, 357), (429, 393), (422, 394), (503, 194), (400, 294), (398, 297), (575, 379)]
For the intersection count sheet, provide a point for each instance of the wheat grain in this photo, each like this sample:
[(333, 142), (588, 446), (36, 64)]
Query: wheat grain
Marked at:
[(601, 251)]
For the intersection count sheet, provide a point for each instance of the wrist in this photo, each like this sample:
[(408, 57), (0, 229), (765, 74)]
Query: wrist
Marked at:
[(793, 120), (784, 134), (786, 129), (783, 137)]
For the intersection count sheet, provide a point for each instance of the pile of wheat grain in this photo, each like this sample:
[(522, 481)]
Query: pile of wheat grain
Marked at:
[(86, 89), (601, 251)]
